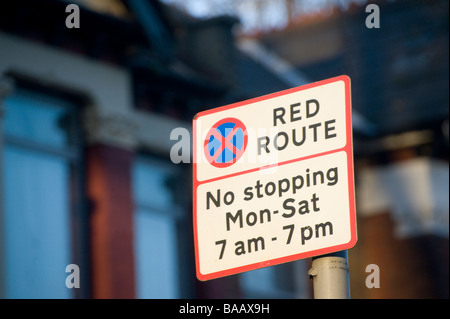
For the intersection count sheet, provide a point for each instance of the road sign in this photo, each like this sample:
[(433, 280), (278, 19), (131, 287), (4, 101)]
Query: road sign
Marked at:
[(273, 179)]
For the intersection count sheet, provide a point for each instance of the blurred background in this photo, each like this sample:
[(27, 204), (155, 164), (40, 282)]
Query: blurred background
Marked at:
[(87, 111)]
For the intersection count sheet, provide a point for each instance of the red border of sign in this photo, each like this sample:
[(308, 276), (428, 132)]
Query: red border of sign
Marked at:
[(348, 148)]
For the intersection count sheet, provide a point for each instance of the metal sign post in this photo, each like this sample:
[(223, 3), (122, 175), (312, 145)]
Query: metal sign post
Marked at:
[(330, 276)]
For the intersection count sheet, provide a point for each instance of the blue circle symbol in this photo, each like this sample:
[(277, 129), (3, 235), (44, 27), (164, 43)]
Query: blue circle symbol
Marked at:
[(226, 142)]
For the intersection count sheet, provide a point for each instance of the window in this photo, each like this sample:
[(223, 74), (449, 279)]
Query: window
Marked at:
[(40, 195), (158, 231)]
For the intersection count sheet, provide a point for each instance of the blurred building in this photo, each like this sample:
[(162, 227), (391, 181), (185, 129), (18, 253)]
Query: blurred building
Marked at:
[(400, 79), (85, 135)]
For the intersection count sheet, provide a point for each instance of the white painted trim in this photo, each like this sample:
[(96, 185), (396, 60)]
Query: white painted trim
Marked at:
[(111, 117)]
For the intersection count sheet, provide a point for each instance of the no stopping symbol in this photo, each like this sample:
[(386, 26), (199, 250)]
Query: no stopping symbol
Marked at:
[(225, 142)]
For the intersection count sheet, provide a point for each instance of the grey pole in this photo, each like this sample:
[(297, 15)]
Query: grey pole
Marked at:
[(330, 276)]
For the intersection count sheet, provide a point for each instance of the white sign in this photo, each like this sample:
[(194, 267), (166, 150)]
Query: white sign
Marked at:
[(273, 179)]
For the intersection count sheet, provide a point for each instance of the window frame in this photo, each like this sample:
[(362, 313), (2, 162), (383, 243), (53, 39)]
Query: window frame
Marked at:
[(179, 212), (73, 153)]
